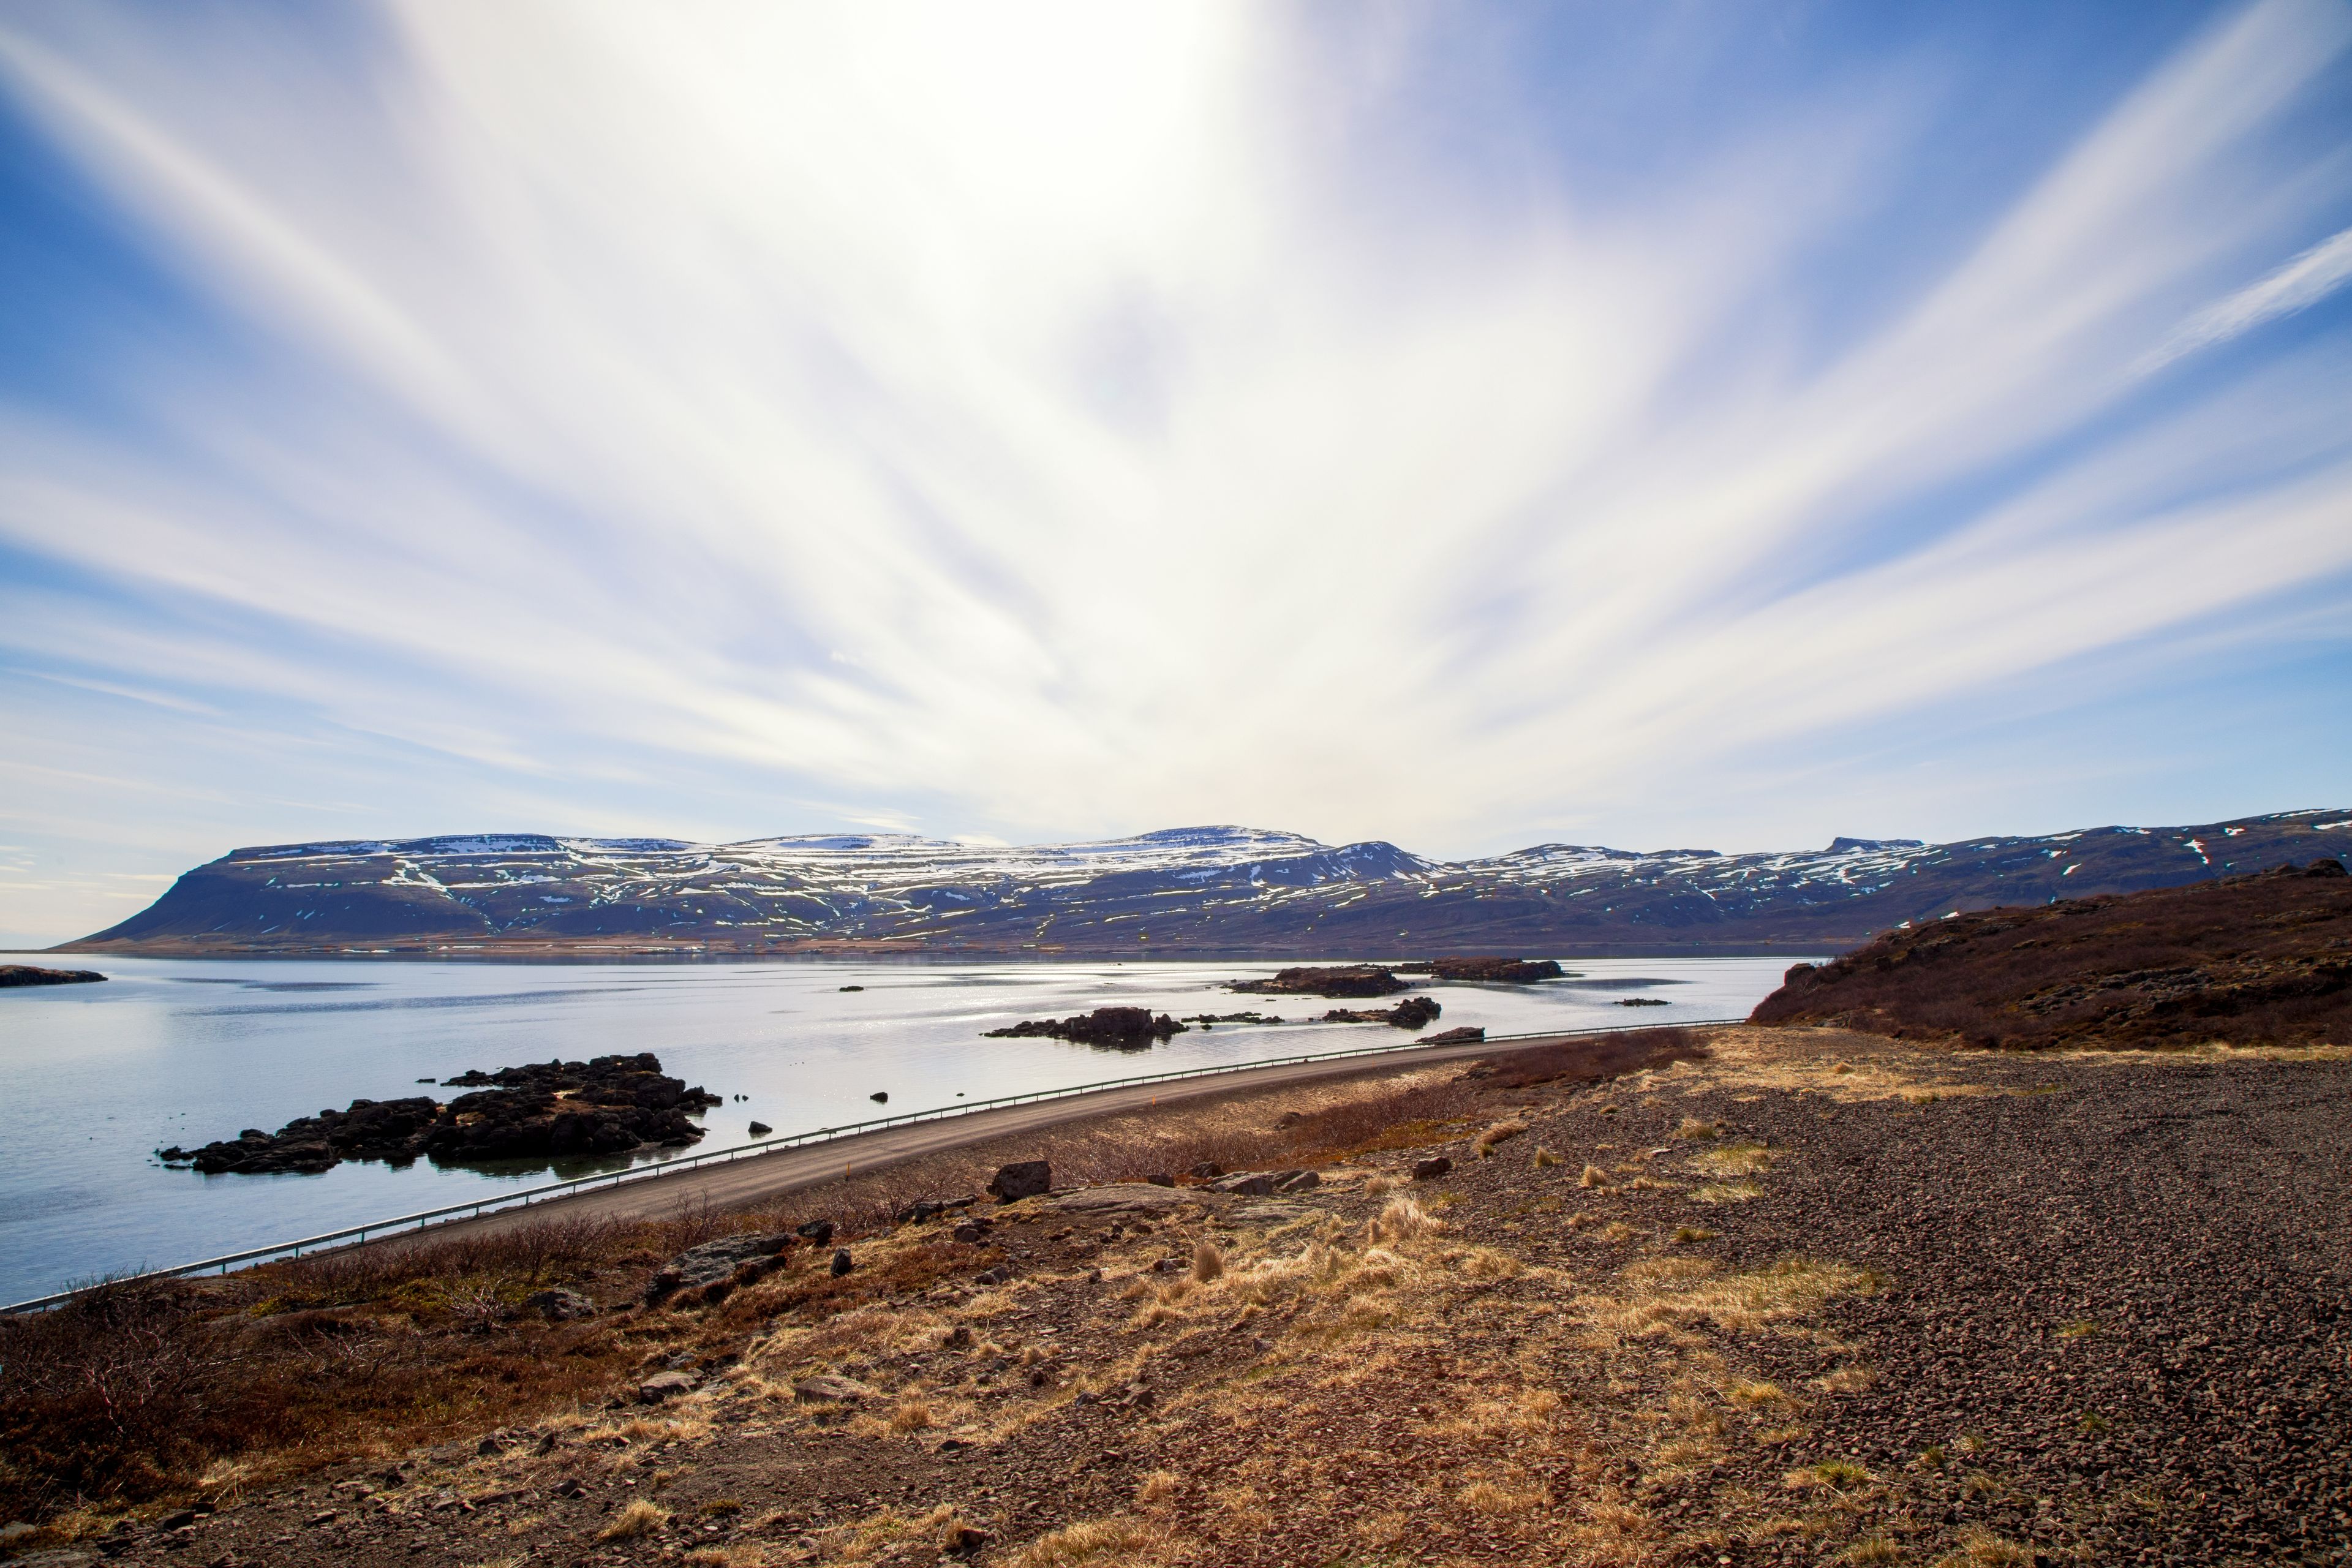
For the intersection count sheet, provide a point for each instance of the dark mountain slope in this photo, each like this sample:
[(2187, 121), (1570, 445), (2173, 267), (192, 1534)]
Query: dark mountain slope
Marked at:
[(1222, 890)]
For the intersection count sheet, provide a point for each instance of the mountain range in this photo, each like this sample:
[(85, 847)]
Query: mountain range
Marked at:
[(1197, 892)]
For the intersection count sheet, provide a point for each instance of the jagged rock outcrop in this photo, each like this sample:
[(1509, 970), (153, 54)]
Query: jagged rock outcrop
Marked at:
[(1120, 1028), (609, 1105), (1328, 981)]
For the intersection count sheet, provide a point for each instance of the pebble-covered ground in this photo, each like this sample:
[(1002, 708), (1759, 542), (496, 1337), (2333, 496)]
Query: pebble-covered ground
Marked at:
[(1819, 1298)]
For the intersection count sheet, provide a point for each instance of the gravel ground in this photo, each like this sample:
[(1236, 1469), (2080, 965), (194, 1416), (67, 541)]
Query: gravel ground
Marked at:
[(2101, 1319)]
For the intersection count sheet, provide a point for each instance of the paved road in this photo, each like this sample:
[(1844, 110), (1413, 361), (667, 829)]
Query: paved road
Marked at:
[(763, 1176)]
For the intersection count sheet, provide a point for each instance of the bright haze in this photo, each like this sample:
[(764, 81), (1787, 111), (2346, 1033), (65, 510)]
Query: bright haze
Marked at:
[(1461, 426)]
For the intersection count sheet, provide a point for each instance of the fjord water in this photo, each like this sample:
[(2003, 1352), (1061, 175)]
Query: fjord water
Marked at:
[(94, 1078)]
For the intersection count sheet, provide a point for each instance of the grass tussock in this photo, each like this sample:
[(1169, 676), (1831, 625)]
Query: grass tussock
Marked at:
[(1104, 1540), (1499, 1134), (1208, 1262), (641, 1518)]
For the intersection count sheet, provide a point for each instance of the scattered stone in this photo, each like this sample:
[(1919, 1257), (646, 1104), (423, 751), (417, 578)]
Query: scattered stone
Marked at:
[(1022, 1179), (964, 1540), (1207, 1171), (840, 1263), (1297, 1182), (1160, 1179), (558, 1306), (1431, 1169), (817, 1232), (1248, 1185), (760, 1130)]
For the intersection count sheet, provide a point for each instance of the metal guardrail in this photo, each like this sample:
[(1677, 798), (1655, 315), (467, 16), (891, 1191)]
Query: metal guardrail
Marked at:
[(524, 1197)]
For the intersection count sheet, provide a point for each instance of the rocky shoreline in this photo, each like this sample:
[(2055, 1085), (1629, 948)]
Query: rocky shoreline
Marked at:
[(609, 1105)]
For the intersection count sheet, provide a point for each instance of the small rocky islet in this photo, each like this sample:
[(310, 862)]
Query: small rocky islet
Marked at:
[(1139, 1028), (608, 1105), (12, 975)]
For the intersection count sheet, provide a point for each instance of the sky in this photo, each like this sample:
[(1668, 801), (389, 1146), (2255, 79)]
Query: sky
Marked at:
[(1467, 426)]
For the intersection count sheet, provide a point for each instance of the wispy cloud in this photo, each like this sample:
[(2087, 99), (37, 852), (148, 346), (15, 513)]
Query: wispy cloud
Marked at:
[(2297, 285), (1044, 419)]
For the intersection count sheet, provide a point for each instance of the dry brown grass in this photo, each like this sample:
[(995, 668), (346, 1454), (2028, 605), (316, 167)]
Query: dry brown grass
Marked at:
[(1113, 1540), (641, 1518), (1208, 1261), (1499, 1134)]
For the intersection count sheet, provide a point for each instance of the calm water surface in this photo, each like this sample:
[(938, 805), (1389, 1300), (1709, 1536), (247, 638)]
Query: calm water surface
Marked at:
[(93, 1078)]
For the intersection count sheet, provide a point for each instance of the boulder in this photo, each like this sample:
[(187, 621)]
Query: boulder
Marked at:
[(1246, 1183), (817, 1232), (1160, 1179), (665, 1386), (760, 1130), (1430, 1170), (559, 1306), (1207, 1171), (826, 1388), (1131, 1197), (842, 1263), (1022, 1179), (1297, 1182), (712, 1261)]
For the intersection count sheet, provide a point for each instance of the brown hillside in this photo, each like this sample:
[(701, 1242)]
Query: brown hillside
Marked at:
[(2263, 959)]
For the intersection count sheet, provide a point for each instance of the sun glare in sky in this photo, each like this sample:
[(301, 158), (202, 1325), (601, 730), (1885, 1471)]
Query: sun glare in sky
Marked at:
[(1464, 426)]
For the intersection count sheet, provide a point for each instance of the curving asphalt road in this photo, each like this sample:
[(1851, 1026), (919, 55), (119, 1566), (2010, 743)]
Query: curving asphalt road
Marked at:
[(763, 1176)]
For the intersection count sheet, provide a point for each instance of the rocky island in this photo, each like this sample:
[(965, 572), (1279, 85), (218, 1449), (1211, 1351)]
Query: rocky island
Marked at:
[(1413, 1013), (15, 974), (1113, 1028), (609, 1105), (1487, 970), (1328, 980)]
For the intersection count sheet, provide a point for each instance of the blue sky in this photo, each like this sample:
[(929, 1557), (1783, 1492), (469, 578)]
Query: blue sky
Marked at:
[(1466, 425)]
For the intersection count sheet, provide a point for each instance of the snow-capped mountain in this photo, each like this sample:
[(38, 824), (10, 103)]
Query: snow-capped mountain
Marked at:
[(1226, 891)]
